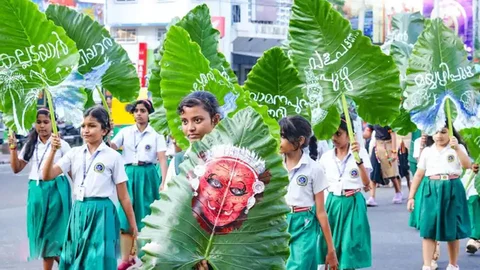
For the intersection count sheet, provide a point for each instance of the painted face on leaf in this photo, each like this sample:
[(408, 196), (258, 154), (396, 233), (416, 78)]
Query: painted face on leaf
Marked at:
[(224, 192)]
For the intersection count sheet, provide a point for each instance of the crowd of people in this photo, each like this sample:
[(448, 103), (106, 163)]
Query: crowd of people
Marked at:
[(70, 190)]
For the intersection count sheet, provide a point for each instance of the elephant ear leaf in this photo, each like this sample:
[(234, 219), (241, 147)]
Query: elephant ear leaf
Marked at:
[(439, 74), (274, 82), (103, 62), (35, 55), (193, 222), (337, 63)]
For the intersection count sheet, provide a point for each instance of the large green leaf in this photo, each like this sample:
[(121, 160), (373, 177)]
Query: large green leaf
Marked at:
[(471, 136), (256, 240), (438, 71), (198, 24), (334, 60), (274, 82), (406, 27), (35, 55), (183, 69), (103, 62)]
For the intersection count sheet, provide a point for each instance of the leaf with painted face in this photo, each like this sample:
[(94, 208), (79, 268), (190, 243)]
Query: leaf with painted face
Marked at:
[(336, 63), (226, 206), (103, 62), (439, 70), (35, 55)]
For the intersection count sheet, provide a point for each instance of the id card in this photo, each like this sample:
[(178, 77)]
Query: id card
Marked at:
[(80, 194), (135, 159)]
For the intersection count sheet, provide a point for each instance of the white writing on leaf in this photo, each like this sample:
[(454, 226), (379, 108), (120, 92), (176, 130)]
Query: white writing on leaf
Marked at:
[(270, 99), (319, 61), (396, 35), (203, 80), (469, 100), (341, 76), (27, 56), (97, 49), (443, 76)]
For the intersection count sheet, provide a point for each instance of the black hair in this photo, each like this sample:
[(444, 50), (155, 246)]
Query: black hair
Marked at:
[(33, 136), (147, 103), (101, 115), (343, 124), (313, 148), (430, 140), (200, 98), (292, 128)]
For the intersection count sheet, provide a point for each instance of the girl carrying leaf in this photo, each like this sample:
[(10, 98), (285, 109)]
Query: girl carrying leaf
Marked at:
[(444, 212), (92, 237), (48, 203), (473, 244), (346, 206), (305, 196), (143, 147)]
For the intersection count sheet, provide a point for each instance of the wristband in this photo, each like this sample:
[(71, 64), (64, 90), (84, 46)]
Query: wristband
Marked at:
[(359, 163)]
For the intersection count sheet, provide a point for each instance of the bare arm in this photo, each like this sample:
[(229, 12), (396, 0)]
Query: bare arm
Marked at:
[(162, 159), (394, 141), (464, 159), (16, 164), (50, 171), (323, 220), (124, 199), (417, 179)]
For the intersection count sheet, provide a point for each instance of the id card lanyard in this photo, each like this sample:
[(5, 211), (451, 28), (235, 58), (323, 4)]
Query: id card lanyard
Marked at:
[(81, 189), (135, 144), (343, 165), (39, 161)]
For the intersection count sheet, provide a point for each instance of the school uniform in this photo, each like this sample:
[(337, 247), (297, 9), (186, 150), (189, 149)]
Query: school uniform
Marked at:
[(48, 204), (174, 166), (473, 205), (306, 179), (347, 210), (93, 232), (444, 211), (140, 155), (414, 220)]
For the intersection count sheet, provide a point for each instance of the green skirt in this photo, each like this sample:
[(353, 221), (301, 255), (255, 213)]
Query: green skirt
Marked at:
[(303, 228), (444, 211), (348, 221), (474, 212), (414, 220), (48, 209), (92, 239), (143, 187)]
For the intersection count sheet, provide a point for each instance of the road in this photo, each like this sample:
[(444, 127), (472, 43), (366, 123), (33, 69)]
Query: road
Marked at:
[(395, 245)]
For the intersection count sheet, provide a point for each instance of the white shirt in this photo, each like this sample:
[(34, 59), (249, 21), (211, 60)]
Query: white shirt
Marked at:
[(145, 144), (344, 174), (306, 179), (322, 148), (103, 170), (445, 161), (417, 148), (40, 154), (171, 169)]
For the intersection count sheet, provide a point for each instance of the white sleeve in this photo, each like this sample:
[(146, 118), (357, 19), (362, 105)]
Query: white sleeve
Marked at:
[(161, 143), (22, 154), (416, 148), (319, 180), (462, 147), (65, 163), (422, 162), (118, 139), (170, 173), (119, 175), (366, 160), (65, 147)]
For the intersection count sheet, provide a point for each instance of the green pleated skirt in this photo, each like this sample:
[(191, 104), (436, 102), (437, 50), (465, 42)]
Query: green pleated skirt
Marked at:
[(92, 238), (348, 221), (143, 187), (48, 209), (304, 229), (474, 212), (414, 220), (444, 211)]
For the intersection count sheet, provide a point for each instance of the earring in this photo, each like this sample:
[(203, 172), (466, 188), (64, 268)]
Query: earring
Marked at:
[(195, 182), (250, 203)]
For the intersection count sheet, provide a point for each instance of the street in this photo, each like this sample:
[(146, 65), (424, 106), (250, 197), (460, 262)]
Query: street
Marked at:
[(395, 245)]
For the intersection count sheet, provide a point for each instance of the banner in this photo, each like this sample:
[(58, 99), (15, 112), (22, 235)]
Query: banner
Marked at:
[(456, 14), (142, 63), (93, 9)]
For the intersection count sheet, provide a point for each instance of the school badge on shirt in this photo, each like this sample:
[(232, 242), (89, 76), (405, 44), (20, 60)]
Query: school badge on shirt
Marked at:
[(99, 167), (302, 180), (354, 173), (148, 147), (451, 158)]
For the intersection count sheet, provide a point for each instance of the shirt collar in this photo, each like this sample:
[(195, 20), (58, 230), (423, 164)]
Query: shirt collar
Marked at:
[(349, 153), (147, 129), (303, 161), (40, 141), (100, 147)]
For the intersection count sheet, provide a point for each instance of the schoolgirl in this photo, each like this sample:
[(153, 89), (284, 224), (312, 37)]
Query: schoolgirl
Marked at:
[(92, 236), (142, 148), (305, 197), (48, 203), (199, 113), (346, 206), (443, 209), (473, 244)]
